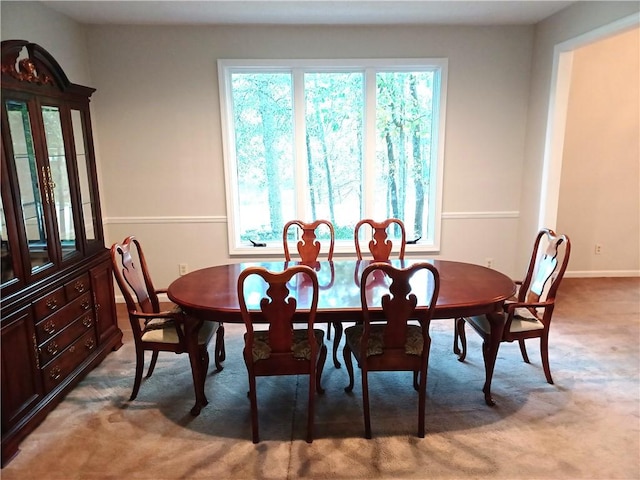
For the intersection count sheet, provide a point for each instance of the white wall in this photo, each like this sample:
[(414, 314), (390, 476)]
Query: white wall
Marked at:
[(158, 138), (157, 110), (572, 22), (601, 161), (62, 37)]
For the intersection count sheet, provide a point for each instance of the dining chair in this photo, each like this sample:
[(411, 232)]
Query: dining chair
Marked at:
[(380, 245), (308, 247), (528, 314), (309, 250), (400, 340), (154, 329), (272, 346)]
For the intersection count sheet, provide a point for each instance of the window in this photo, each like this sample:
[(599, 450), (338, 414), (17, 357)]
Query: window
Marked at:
[(338, 140)]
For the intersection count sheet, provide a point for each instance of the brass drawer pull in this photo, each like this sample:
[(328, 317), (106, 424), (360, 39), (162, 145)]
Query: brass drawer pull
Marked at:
[(85, 305), (87, 322), (54, 374), (90, 343), (52, 348), (36, 350), (49, 327), (79, 286), (52, 304)]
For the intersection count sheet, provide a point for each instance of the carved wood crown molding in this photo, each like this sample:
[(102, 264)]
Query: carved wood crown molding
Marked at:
[(26, 72)]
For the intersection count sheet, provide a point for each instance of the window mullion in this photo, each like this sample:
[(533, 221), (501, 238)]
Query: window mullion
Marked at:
[(369, 147), (300, 151)]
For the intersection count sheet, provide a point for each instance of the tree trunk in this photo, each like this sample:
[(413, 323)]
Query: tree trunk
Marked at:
[(398, 121), (391, 182), (272, 164), (326, 166), (418, 171), (311, 176)]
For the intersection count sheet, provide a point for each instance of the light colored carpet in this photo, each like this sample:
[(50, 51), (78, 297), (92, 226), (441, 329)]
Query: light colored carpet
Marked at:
[(586, 426)]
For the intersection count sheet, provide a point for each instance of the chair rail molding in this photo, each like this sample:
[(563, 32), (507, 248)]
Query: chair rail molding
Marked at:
[(223, 218), (165, 219), (480, 215)]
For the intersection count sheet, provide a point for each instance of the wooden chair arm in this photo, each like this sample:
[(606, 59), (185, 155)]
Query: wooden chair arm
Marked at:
[(175, 315), (168, 314), (511, 307)]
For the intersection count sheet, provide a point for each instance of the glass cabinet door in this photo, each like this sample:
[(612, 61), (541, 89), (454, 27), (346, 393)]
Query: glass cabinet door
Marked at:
[(89, 208), (6, 268), (57, 178), (27, 171)]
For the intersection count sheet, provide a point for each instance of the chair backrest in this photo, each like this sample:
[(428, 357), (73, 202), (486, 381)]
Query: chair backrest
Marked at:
[(132, 276), (400, 302), (277, 307), (308, 247), (380, 246), (548, 263)]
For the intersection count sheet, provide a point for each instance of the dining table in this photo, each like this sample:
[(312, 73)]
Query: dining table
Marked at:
[(466, 289)]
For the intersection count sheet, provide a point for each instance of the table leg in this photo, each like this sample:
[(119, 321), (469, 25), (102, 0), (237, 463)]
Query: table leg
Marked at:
[(337, 336), (192, 327), (490, 352)]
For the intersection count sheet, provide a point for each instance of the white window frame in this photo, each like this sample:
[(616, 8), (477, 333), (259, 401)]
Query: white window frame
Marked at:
[(297, 67)]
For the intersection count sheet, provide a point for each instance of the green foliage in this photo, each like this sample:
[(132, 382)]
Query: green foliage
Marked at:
[(334, 106)]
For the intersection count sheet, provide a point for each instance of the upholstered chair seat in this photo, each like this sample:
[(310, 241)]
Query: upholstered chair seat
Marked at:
[(413, 344), (300, 347), (163, 330)]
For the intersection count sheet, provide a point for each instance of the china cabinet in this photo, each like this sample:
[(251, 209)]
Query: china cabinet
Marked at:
[(56, 291)]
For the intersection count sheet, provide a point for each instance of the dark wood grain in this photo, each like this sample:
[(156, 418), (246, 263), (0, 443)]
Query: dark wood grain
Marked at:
[(466, 289)]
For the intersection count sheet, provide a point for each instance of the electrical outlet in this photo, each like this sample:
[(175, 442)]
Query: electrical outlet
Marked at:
[(183, 269), (598, 249), (489, 262)]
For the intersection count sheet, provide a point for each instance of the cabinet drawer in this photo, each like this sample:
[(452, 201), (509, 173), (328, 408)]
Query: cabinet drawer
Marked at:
[(66, 337), (50, 303), (55, 373), (53, 324), (77, 287)]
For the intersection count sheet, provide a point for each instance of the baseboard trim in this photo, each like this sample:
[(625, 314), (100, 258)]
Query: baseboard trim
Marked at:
[(601, 273)]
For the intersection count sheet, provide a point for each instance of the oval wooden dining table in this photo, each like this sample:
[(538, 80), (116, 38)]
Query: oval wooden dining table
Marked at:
[(210, 294)]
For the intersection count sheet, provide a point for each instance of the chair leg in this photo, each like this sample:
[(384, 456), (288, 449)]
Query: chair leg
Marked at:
[(462, 336), (337, 326), (152, 365), (139, 370), (416, 385), (223, 351), (313, 378), (254, 409), (204, 357), (456, 349), (329, 331), (346, 353), (365, 403), (523, 350), (219, 352), (422, 393), (321, 361), (544, 353)]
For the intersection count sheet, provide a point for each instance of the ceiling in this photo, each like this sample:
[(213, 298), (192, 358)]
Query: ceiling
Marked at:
[(308, 12)]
